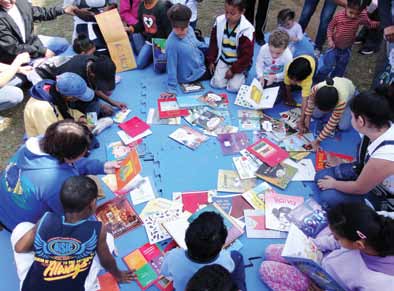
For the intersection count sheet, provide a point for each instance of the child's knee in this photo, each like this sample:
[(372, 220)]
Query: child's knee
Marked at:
[(218, 83), (235, 83)]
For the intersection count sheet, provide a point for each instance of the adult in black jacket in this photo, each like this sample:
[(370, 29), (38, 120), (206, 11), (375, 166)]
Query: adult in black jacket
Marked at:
[(16, 30)]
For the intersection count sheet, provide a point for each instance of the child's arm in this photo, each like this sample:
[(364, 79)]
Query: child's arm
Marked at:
[(106, 98), (108, 261), (326, 243), (330, 31), (310, 107), (245, 55), (172, 63), (25, 243), (365, 20), (213, 48), (332, 122), (260, 65)]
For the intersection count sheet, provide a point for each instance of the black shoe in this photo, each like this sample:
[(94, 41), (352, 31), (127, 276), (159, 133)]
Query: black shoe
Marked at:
[(366, 51)]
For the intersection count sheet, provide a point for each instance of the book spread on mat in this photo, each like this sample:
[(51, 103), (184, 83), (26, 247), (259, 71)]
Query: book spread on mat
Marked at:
[(268, 152), (229, 181), (134, 126), (255, 225), (249, 119), (232, 143), (291, 117), (298, 143), (192, 87), (253, 196), (117, 151), (168, 107), (188, 137), (279, 175), (329, 159), (129, 168)]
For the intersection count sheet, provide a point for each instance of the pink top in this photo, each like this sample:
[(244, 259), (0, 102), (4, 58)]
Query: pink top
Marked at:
[(127, 13)]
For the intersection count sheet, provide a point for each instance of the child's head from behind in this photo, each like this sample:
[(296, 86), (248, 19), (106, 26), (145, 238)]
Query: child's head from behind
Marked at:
[(299, 69), (286, 18), (278, 42), (357, 226), (82, 45), (327, 97), (179, 16), (78, 195), (211, 278), (205, 237), (354, 7), (234, 10)]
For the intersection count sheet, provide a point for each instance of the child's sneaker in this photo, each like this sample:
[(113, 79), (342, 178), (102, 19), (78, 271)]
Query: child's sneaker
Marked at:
[(366, 51), (317, 52)]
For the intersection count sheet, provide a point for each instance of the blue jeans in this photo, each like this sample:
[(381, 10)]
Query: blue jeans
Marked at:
[(56, 44), (142, 50), (326, 14), (346, 119), (335, 61)]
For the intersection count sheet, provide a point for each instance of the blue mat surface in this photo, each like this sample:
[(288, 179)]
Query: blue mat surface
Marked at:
[(173, 167)]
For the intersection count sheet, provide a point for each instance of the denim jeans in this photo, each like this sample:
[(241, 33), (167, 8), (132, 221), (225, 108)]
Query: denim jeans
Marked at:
[(56, 44), (335, 61), (142, 50), (326, 14), (346, 119)]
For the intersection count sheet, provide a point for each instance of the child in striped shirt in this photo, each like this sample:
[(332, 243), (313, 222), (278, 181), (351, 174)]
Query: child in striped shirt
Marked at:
[(341, 34), (328, 98), (230, 53)]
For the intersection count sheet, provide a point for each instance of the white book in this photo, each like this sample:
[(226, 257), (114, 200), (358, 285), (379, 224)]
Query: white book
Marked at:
[(142, 191), (127, 139)]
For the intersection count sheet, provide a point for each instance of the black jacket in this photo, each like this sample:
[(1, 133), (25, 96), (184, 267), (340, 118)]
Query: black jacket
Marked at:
[(11, 41)]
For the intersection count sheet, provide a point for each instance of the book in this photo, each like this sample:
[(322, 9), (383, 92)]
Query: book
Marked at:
[(128, 140), (177, 229), (309, 217), (268, 152), (159, 54), (297, 156), (121, 116), (291, 117), (168, 107), (305, 169), (193, 200), (117, 151), (276, 208), (301, 252), (275, 129), (298, 142), (154, 118), (188, 137), (159, 204), (214, 100), (246, 168), (255, 97), (189, 101), (221, 130), (249, 119), (253, 195), (192, 87), (255, 225), (208, 119), (129, 168), (118, 216), (225, 202), (146, 262), (238, 205), (110, 181), (142, 191), (326, 159), (279, 175), (232, 143), (229, 181), (134, 126), (107, 282)]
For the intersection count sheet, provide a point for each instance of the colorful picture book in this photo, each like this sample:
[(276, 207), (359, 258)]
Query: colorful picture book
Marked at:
[(208, 119), (159, 54), (146, 262), (268, 152), (128, 140), (229, 181), (238, 205), (249, 119), (192, 87), (193, 200), (121, 116), (277, 206), (189, 101), (305, 169), (107, 282), (328, 159), (117, 151), (232, 143), (214, 100), (309, 217), (298, 143), (297, 156), (188, 137), (142, 191), (168, 107), (291, 117), (154, 118), (301, 252), (255, 225), (225, 202), (279, 175), (246, 167), (275, 129), (255, 97), (118, 215), (129, 168), (253, 196), (134, 126)]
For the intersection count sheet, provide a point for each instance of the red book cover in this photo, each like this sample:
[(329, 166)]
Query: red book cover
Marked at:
[(239, 204), (268, 152), (329, 159), (192, 200), (134, 126), (168, 108), (107, 282)]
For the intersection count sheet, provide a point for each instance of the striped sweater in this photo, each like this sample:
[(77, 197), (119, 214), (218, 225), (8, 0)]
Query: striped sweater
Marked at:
[(345, 90), (342, 30)]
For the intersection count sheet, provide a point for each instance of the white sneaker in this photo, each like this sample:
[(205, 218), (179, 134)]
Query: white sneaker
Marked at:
[(317, 53)]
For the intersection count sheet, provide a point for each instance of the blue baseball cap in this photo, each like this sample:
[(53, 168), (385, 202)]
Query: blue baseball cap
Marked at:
[(71, 84)]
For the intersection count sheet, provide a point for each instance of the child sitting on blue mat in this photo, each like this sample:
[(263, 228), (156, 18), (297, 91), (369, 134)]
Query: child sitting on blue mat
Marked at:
[(185, 59), (230, 53), (204, 239), (60, 251)]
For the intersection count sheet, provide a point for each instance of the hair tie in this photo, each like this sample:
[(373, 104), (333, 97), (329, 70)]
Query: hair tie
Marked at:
[(361, 235)]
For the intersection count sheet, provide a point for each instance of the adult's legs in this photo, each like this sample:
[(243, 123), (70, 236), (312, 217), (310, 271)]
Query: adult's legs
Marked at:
[(56, 44), (261, 18), (307, 11), (10, 96), (326, 14), (249, 10)]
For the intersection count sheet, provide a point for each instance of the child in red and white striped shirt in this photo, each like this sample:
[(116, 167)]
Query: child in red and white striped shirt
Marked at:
[(341, 34)]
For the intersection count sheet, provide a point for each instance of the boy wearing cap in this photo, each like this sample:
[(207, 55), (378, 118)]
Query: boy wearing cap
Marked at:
[(50, 100), (185, 59)]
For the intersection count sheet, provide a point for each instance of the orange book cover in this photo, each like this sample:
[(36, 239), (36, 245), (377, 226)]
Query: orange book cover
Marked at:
[(108, 282), (129, 168)]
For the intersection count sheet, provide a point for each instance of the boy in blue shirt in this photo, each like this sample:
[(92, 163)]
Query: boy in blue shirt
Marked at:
[(185, 59)]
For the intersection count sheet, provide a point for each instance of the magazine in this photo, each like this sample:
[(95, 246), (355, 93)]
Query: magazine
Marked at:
[(268, 152), (232, 143), (253, 196), (298, 143), (291, 117), (277, 206), (209, 120), (255, 225), (246, 168), (188, 137), (229, 181), (249, 119), (214, 100), (118, 216), (279, 175)]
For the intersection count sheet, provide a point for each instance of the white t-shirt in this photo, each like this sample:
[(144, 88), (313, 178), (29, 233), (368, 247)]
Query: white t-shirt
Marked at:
[(266, 65), (295, 31), (385, 152), (15, 14), (192, 4)]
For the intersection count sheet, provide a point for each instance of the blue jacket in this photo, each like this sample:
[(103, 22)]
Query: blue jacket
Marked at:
[(31, 182), (185, 60)]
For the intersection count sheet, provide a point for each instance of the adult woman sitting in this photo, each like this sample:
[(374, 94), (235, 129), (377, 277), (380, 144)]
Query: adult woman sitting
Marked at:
[(372, 113), (30, 184)]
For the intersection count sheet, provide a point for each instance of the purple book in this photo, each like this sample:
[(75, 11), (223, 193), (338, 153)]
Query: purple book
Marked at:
[(232, 143)]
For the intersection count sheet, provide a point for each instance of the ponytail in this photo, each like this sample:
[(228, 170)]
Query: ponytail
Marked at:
[(356, 221), (327, 97)]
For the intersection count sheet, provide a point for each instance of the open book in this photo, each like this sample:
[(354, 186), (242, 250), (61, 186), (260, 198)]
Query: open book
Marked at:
[(301, 252)]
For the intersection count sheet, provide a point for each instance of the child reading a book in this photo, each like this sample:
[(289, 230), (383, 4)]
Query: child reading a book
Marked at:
[(341, 35), (272, 59), (185, 59), (212, 278), (328, 98), (287, 23), (204, 239), (299, 72), (60, 250), (152, 23), (230, 53), (358, 253)]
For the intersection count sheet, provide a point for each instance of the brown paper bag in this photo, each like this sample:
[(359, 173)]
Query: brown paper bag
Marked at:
[(118, 43)]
